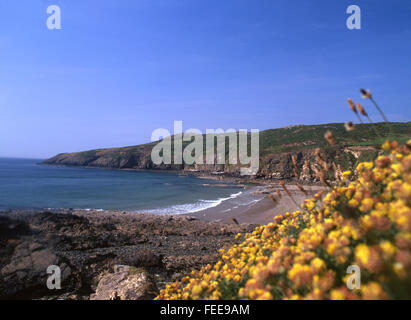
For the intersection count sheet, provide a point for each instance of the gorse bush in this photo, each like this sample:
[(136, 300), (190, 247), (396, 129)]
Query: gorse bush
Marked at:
[(364, 220)]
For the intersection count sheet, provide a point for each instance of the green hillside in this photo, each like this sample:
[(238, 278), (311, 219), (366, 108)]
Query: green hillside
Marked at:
[(276, 148)]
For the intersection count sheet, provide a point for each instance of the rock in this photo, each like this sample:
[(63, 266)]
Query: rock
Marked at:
[(177, 276), (144, 258), (27, 270), (126, 283), (10, 228), (87, 245)]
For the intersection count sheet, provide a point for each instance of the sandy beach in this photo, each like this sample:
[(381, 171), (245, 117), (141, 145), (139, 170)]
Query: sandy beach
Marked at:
[(260, 211)]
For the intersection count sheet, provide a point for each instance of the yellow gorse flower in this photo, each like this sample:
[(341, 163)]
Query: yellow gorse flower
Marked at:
[(305, 254)]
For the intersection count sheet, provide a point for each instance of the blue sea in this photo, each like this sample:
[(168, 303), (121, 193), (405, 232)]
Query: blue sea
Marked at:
[(24, 184)]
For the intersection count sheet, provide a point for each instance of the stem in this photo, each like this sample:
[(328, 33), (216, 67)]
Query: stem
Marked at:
[(359, 118), (383, 115), (374, 127), (379, 110)]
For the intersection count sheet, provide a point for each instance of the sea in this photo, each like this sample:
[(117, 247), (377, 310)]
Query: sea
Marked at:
[(26, 184)]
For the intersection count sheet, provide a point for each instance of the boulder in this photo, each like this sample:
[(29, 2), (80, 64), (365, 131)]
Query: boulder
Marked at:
[(126, 283), (26, 273)]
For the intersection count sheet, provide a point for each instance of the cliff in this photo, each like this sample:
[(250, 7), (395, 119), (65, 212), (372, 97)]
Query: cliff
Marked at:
[(277, 146)]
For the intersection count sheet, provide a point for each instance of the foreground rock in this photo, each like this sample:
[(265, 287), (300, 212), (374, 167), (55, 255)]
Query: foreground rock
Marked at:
[(87, 245), (126, 283)]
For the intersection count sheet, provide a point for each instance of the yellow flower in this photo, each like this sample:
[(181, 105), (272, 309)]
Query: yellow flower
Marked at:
[(373, 291), (353, 203), (367, 204), (386, 146), (346, 174), (337, 295), (388, 249), (196, 290), (310, 205), (399, 270), (362, 253), (317, 264)]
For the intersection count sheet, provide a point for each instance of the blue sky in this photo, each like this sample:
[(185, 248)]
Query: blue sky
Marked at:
[(119, 69)]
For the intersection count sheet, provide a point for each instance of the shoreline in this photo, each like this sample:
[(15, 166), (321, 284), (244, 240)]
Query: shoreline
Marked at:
[(262, 211), (222, 177)]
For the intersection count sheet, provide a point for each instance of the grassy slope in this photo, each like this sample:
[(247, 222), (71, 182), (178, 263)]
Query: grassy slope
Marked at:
[(300, 137)]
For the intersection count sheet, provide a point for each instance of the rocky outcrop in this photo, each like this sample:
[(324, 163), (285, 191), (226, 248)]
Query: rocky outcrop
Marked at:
[(335, 161), (87, 245), (126, 283), (27, 270), (276, 166)]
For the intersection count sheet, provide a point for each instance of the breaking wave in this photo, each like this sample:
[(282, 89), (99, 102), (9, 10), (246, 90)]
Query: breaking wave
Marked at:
[(192, 207)]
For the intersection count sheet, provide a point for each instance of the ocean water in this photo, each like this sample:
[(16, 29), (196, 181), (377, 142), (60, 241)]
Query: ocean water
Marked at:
[(24, 184)]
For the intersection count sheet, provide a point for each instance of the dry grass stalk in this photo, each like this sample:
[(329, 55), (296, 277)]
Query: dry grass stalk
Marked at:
[(362, 110), (282, 184), (306, 168), (295, 164), (294, 160), (366, 94), (337, 171), (318, 156), (278, 193), (349, 126), (322, 164), (365, 114), (302, 189), (323, 178), (319, 195), (354, 109), (272, 198)]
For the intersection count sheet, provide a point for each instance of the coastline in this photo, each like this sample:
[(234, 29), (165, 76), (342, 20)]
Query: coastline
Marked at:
[(223, 177), (259, 210), (52, 186)]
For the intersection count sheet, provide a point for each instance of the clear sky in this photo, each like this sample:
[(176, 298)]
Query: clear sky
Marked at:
[(119, 69)]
